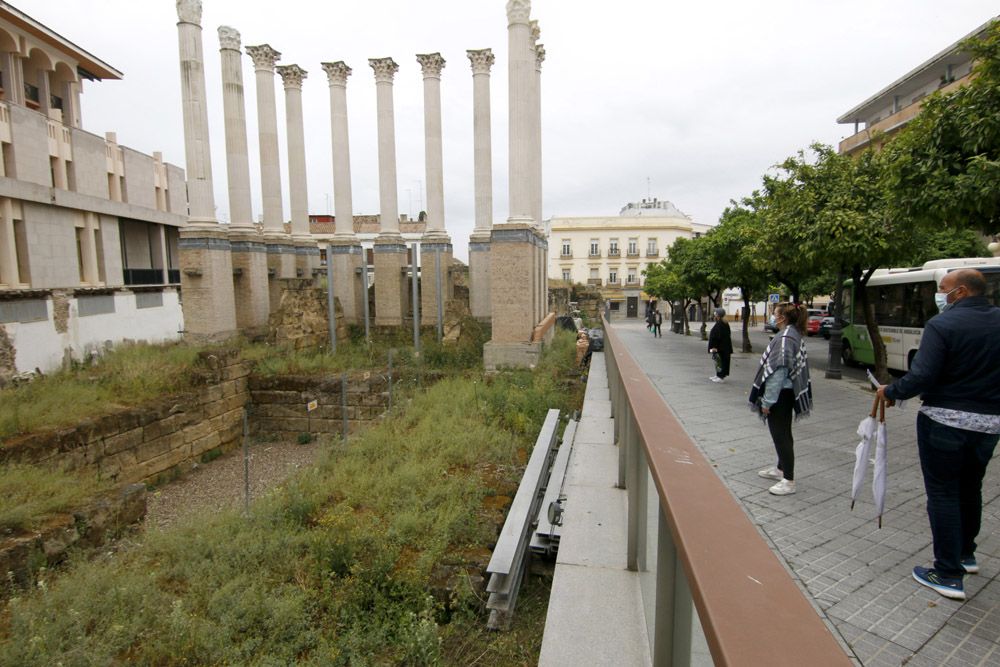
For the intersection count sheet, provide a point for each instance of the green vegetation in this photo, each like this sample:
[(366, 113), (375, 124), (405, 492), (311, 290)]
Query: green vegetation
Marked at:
[(366, 558), (126, 376), (927, 192), (29, 495)]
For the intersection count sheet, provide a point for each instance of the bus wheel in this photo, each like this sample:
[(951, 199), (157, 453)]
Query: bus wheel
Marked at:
[(846, 354)]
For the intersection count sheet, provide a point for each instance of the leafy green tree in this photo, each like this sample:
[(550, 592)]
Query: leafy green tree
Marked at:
[(692, 260), (945, 243), (663, 281), (944, 166), (731, 247)]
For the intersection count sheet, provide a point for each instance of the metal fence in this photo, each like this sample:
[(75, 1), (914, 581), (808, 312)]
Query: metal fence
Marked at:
[(698, 555)]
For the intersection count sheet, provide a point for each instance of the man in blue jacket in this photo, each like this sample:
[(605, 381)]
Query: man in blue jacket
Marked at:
[(956, 372)]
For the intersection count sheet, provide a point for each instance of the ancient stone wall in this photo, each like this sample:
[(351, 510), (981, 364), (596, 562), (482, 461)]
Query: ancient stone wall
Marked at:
[(301, 319), (141, 444)]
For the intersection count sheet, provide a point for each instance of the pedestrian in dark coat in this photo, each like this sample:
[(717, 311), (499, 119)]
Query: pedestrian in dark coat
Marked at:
[(720, 342), (657, 323), (956, 372)]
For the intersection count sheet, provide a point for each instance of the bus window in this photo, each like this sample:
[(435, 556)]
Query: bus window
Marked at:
[(888, 302), (993, 286), (918, 303)]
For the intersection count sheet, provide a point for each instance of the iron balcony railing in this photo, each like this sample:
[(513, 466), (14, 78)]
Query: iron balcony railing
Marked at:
[(694, 546)]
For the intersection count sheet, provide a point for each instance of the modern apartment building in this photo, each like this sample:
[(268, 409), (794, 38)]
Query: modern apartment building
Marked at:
[(888, 110), (88, 228), (611, 252)]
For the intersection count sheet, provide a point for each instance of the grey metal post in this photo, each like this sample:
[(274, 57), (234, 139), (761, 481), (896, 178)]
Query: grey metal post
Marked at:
[(364, 286), (416, 298), (621, 425), (343, 403), (633, 524), (246, 463), (331, 318), (673, 621), (440, 301)]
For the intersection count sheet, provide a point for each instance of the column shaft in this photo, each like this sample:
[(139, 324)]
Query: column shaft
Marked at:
[(234, 109), (432, 64), (385, 69), (521, 71), (343, 207), (482, 148), (201, 198), (264, 58), (292, 77)]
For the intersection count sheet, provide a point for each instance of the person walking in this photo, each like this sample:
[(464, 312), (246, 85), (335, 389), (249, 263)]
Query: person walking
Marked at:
[(657, 323), (782, 390), (720, 345), (956, 372)]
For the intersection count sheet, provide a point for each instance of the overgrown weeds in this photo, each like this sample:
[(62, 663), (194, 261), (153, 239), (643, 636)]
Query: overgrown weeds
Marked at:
[(347, 563), (29, 495)]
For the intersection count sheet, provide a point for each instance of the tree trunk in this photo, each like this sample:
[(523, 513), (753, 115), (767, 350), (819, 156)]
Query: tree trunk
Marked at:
[(747, 346), (704, 327), (833, 366), (868, 308), (687, 324)]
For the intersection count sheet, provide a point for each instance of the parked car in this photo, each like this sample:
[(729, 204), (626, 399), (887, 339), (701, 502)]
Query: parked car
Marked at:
[(825, 326), (815, 319)]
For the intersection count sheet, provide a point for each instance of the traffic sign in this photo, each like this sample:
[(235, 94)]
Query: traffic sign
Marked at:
[(774, 298)]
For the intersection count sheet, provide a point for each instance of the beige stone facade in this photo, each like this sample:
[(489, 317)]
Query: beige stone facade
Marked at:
[(88, 228)]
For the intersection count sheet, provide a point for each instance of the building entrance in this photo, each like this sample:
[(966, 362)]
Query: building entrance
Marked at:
[(632, 307)]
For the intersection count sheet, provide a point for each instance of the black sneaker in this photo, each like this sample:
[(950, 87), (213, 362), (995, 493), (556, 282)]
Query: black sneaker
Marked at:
[(970, 565), (946, 586)]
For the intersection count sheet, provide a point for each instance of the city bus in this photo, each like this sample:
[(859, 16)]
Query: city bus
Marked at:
[(903, 300)]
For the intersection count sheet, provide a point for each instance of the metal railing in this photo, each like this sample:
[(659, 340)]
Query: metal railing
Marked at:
[(694, 546)]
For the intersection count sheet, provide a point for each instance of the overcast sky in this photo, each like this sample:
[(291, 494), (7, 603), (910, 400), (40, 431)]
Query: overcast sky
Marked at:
[(690, 102)]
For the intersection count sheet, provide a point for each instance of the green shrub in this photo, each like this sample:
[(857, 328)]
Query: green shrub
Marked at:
[(31, 494)]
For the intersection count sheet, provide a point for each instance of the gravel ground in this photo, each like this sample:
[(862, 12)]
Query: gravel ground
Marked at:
[(219, 484)]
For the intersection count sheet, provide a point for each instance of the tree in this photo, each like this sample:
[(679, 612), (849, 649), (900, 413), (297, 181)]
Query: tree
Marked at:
[(731, 247), (664, 282), (944, 243), (692, 260), (944, 166)]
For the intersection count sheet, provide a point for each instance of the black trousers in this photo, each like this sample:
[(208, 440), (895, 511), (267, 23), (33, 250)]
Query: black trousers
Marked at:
[(724, 360), (779, 422)]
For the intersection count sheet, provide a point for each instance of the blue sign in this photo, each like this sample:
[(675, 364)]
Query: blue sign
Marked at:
[(774, 298)]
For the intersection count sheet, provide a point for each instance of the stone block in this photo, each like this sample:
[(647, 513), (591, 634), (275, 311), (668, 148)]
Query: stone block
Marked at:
[(161, 427), (228, 388), (211, 393), (235, 372), (234, 402), (210, 441), (214, 409), (260, 397), (158, 446), (123, 441), (197, 431)]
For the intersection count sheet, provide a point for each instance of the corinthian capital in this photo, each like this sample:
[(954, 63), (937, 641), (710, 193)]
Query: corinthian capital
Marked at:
[(229, 38), (482, 60), (539, 56), (536, 32), (336, 73), (189, 11), (292, 76), (385, 69), (431, 64), (263, 57), (518, 11)]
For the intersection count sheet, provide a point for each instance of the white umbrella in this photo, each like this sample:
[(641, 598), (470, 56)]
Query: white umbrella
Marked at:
[(878, 482), (866, 429)]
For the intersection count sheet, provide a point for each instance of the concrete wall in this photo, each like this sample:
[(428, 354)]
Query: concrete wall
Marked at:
[(30, 141), (51, 233), (90, 164), (45, 344), (139, 170)]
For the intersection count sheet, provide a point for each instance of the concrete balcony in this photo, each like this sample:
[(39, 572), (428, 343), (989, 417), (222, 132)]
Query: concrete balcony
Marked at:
[(652, 253), (632, 254), (614, 252), (594, 254), (597, 282)]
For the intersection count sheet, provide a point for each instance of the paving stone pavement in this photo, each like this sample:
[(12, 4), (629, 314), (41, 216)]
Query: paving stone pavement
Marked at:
[(858, 575)]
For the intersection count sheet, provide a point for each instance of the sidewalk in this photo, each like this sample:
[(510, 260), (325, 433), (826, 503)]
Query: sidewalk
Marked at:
[(857, 575)]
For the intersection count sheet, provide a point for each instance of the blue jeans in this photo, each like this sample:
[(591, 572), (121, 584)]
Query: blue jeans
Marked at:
[(954, 462)]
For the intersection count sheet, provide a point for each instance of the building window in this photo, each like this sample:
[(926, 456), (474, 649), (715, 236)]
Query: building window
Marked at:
[(613, 277), (566, 250), (595, 248), (651, 250), (633, 247), (594, 274), (566, 275), (631, 279), (613, 248)]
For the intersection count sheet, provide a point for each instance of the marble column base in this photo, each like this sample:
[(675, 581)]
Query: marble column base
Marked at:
[(207, 284), (429, 250), (346, 257), (250, 288), (391, 294)]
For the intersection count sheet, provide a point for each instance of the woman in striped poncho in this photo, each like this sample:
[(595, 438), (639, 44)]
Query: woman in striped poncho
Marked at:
[(781, 391)]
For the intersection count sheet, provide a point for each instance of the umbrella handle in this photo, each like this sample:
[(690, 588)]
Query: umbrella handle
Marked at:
[(875, 408), (881, 413)]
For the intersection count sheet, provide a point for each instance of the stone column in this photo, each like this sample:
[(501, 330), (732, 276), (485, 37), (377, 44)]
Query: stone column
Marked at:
[(479, 242), (390, 251), (249, 254), (515, 245), (205, 260), (436, 250), (280, 251), (345, 246), (306, 250)]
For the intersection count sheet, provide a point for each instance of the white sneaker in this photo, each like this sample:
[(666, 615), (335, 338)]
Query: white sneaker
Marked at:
[(771, 473), (715, 378), (783, 488)]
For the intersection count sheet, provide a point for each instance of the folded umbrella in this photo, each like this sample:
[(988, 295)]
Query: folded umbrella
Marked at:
[(878, 481), (866, 429)]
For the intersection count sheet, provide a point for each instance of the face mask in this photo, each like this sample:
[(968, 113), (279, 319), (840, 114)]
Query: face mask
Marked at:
[(941, 300)]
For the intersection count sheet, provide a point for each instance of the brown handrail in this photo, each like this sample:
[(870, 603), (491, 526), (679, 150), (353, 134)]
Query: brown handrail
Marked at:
[(752, 612)]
